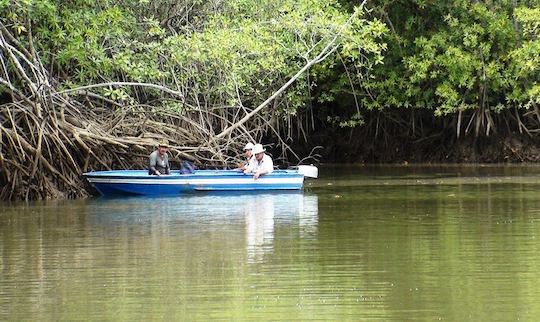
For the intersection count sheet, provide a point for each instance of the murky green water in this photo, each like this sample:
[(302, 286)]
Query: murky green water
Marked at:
[(361, 243)]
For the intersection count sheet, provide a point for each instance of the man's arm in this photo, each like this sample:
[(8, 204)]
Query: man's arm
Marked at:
[(167, 166), (251, 165), (152, 164)]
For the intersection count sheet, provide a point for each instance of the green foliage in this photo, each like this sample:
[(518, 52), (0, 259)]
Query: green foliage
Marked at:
[(117, 94), (445, 56), (524, 72), (355, 120), (254, 47), (456, 55), (218, 53)]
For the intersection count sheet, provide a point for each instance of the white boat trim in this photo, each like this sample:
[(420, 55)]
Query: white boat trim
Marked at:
[(204, 181)]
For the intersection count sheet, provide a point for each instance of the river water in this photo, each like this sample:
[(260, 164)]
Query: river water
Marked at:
[(362, 243)]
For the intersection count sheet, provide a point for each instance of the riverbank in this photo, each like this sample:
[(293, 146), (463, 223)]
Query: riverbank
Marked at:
[(513, 148)]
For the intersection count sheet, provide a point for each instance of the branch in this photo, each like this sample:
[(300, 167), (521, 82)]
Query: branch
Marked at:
[(329, 48), (159, 87)]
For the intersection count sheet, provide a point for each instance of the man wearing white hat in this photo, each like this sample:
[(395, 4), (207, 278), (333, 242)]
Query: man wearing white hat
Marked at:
[(248, 155), (260, 164)]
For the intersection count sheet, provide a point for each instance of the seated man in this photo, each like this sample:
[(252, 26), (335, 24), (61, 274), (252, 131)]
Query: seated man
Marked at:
[(159, 160), (247, 155), (261, 164)]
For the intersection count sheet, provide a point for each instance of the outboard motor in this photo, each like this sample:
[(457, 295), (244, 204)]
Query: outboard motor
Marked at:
[(309, 171)]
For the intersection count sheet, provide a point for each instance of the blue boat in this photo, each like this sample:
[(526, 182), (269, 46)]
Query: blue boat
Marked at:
[(139, 182)]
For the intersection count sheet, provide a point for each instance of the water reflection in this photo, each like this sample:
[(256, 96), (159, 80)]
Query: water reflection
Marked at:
[(202, 214), (259, 214), (388, 251), (308, 216)]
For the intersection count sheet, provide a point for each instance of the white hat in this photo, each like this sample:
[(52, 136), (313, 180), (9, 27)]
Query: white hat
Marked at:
[(248, 146), (258, 148)]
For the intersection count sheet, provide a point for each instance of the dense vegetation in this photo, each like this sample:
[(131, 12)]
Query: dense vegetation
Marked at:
[(94, 84), (455, 69)]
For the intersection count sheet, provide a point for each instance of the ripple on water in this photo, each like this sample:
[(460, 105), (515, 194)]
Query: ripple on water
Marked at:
[(409, 246)]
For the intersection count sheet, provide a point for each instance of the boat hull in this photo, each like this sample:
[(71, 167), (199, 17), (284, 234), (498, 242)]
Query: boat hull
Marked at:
[(138, 182)]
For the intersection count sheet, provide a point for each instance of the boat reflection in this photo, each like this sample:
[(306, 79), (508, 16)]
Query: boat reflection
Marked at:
[(263, 212), (214, 216), (259, 216)]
